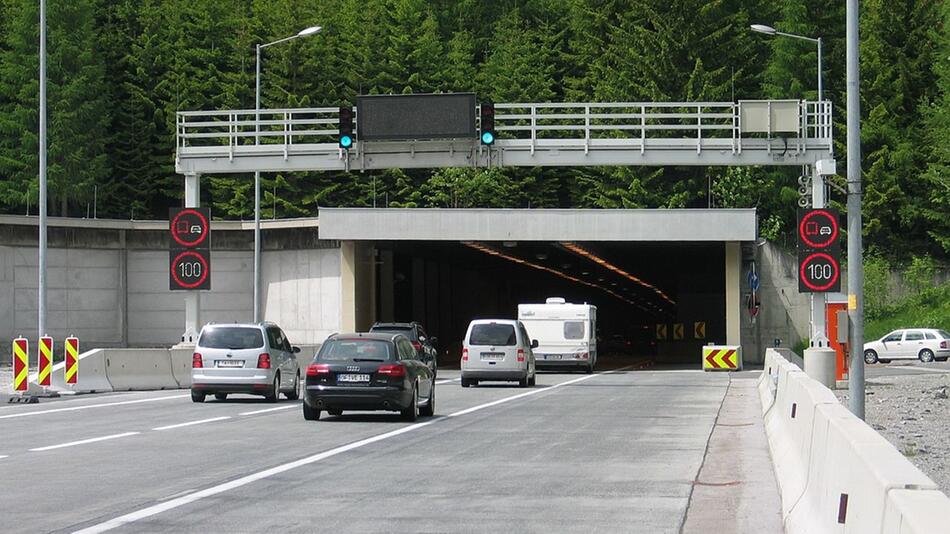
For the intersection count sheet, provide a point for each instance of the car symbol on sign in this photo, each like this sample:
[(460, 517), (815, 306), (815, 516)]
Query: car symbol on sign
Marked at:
[(825, 230)]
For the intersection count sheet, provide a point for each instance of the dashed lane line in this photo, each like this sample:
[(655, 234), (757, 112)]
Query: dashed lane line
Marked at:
[(267, 473), (295, 405), (192, 423), (87, 406), (84, 441)]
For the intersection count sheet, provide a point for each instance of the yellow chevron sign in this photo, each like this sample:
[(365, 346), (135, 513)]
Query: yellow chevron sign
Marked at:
[(678, 332), (21, 364), (661, 331), (722, 358), (699, 330)]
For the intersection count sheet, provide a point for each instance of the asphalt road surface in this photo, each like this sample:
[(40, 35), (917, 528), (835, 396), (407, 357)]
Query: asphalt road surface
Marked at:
[(609, 452), (908, 367)]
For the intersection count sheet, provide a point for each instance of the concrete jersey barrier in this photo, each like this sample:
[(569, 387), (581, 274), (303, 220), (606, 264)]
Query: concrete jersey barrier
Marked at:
[(835, 473), (139, 369), (92, 375)]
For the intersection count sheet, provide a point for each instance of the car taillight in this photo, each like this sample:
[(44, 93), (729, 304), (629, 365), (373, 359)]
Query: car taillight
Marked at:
[(392, 370), (464, 355), (196, 361), (317, 369), (943, 344), (585, 355), (263, 361), (520, 355), (417, 345)]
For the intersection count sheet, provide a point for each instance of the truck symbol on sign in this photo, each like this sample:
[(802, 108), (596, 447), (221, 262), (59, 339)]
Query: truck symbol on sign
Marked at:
[(811, 228)]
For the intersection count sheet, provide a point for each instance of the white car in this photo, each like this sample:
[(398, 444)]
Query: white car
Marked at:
[(498, 350), (924, 344)]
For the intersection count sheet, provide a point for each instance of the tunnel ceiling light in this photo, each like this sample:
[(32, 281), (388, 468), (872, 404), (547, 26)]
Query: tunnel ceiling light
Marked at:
[(581, 251), (510, 244), (492, 252), (541, 256)]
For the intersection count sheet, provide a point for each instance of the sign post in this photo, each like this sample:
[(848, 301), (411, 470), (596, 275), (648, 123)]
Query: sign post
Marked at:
[(71, 368), (21, 364)]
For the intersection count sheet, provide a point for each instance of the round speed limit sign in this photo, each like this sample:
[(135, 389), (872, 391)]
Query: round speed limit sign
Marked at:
[(189, 270)]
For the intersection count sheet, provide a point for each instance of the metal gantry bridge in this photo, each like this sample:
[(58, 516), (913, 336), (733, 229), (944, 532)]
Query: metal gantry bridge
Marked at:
[(778, 132)]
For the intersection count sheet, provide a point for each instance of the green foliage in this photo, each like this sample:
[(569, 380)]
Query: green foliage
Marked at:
[(878, 289), (120, 70)]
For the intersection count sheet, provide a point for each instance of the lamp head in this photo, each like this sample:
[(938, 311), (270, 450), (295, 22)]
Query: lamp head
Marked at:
[(309, 31), (762, 28)]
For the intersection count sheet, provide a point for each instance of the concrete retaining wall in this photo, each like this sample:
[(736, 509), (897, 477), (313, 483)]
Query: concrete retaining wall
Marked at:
[(836, 474), (108, 282)]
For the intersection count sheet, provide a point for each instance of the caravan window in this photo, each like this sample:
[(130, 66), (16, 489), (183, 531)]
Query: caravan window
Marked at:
[(573, 329)]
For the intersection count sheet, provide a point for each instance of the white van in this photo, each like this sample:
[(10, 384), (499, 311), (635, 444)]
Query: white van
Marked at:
[(497, 349), (566, 333)]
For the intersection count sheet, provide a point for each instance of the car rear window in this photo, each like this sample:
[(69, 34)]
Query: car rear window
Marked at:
[(339, 350), (493, 334), (408, 331), (943, 334), (231, 338)]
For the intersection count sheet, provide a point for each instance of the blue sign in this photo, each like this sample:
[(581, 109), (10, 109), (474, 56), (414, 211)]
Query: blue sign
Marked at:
[(753, 280)]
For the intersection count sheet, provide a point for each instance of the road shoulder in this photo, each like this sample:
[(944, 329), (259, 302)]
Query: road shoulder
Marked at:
[(736, 490)]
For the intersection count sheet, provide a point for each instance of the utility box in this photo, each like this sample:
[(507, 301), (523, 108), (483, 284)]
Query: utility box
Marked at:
[(836, 324), (770, 116)]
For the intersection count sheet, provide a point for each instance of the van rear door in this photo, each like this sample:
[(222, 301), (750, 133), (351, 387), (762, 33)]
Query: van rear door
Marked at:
[(493, 346)]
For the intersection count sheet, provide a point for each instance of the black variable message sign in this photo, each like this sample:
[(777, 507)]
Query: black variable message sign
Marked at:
[(189, 252), (423, 116), (819, 254)]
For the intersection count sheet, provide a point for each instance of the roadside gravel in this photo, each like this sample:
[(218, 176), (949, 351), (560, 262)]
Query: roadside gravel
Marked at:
[(913, 413)]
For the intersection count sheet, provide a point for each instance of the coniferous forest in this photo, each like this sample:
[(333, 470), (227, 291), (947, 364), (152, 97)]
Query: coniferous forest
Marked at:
[(118, 71)]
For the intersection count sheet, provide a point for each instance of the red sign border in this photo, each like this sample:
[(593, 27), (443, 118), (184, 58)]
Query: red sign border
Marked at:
[(829, 285), (205, 228), (204, 265), (809, 242)]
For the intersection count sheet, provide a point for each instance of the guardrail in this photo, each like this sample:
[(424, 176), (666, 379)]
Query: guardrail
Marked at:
[(835, 473), (577, 129)]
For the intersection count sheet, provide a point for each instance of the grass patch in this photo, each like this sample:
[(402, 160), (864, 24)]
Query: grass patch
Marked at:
[(930, 308)]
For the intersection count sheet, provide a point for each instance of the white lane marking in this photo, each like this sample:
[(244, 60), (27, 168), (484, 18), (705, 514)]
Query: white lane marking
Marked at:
[(267, 473), (83, 441), (295, 405), (2, 456), (448, 381), (190, 423), (74, 408)]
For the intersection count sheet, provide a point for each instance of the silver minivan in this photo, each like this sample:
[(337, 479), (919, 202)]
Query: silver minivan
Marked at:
[(244, 358), (497, 349)]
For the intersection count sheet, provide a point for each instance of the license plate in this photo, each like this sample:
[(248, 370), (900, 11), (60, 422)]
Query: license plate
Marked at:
[(552, 357), (352, 378), (229, 363), (493, 355)]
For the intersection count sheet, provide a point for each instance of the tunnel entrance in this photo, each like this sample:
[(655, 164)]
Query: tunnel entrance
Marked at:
[(635, 286)]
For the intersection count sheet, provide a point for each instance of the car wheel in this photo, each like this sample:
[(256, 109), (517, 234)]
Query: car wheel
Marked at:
[(294, 394), (870, 356), (221, 396), (411, 413), (466, 382), (271, 395), (523, 382), (590, 369), (197, 396), (335, 412), (926, 355), (429, 409), (533, 380), (310, 414)]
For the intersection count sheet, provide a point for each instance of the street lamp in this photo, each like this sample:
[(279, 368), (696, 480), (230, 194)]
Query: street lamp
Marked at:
[(257, 175), (768, 30)]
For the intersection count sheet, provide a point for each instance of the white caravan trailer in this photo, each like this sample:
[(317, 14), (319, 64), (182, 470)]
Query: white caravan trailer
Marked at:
[(566, 333)]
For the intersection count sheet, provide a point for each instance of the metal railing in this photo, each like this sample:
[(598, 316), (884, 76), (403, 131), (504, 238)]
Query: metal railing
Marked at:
[(638, 126)]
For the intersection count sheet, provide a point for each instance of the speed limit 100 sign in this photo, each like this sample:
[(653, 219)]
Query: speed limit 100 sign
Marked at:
[(818, 272), (189, 253), (190, 269)]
